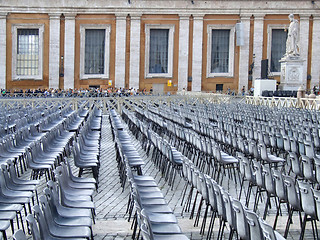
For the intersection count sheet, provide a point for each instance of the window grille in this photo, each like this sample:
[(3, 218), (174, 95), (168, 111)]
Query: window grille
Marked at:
[(94, 51), (158, 56), (27, 52), (220, 51), (278, 48)]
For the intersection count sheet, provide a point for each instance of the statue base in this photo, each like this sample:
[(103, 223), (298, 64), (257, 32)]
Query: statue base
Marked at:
[(291, 73)]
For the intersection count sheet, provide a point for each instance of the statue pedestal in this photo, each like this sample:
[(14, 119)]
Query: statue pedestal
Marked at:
[(291, 74)]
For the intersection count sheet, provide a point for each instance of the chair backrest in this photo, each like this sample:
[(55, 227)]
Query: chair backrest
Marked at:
[(254, 225), (293, 194), (286, 143), (316, 194), (267, 230), (309, 149), (19, 235), (220, 203), (258, 174), (241, 220), (295, 164), (230, 213), (307, 199), (33, 227), (281, 190), (269, 180), (307, 168), (43, 225)]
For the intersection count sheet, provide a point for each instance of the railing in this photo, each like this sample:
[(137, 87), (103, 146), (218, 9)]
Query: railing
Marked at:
[(116, 102), (303, 103)]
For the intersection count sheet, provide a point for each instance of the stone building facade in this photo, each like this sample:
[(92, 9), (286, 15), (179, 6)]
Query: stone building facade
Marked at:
[(196, 45)]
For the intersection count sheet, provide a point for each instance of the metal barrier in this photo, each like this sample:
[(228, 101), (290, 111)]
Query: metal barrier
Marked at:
[(117, 102), (304, 103)]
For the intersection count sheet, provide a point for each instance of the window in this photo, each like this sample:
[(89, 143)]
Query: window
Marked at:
[(159, 51), (277, 38), (27, 51), (278, 48), (220, 51), (94, 51), (158, 59)]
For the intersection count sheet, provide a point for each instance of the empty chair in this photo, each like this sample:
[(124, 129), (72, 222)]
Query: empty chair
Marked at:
[(230, 213), (4, 225), (309, 208), (254, 225), (269, 233), (51, 212), (268, 157), (61, 231), (294, 201), (241, 220), (19, 235)]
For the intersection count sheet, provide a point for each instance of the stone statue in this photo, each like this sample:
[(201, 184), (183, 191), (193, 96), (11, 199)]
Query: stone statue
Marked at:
[(292, 45)]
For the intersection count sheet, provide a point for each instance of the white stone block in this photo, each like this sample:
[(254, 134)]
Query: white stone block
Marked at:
[(261, 85)]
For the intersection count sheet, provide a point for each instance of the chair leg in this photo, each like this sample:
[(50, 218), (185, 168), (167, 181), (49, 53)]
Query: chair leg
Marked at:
[(303, 227), (203, 225), (288, 223), (211, 225), (4, 235)]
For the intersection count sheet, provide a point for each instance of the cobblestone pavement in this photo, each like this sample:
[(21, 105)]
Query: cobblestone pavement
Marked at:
[(111, 200)]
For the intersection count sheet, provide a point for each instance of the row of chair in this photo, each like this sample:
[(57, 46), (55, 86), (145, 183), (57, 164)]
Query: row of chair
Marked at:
[(49, 150), (283, 188), (154, 218), (245, 223)]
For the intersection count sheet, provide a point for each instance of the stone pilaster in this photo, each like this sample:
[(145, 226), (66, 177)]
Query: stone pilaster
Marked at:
[(69, 48), (304, 44), (244, 54), (315, 57), (3, 49), (120, 66), (183, 52), (257, 46), (54, 51), (135, 51), (197, 53)]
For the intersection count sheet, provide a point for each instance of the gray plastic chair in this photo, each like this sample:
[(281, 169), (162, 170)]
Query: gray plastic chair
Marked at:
[(241, 220), (268, 232), (60, 231), (4, 225), (19, 235), (230, 213), (308, 206), (308, 168), (70, 221), (254, 225), (63, 211)]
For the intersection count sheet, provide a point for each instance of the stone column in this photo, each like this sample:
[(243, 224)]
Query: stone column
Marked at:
[(135, 52), (304, 45), (244, 54), (120, 65), (197, 53), (3, 49), (54, 51), (183, 52), (69, 45), (315, 57), (257, 46)]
